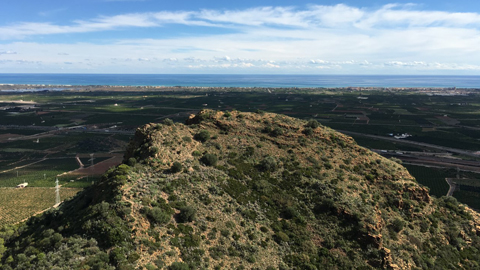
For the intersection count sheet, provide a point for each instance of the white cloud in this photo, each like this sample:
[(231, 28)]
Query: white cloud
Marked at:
[(315, 16), (339, 38), (7, 52), (103, 23), (51, 12), (223, 59)]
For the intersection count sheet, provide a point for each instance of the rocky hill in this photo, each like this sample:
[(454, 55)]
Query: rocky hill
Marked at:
[(233, 190)]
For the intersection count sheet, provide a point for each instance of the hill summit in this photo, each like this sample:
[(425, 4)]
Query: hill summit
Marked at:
[(235, 190)]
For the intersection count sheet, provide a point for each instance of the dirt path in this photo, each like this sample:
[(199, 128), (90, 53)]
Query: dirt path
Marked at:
[(79, 162), (452, 186)]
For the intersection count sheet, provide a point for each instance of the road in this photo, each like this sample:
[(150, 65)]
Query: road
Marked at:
[(401, 141)]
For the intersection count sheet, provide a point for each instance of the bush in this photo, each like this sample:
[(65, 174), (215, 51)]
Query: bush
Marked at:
[(225, 233), (277, 131), (157, 215), (168, 122), (268, 164), (187, 139), (131, 162), (398, 225), (397, 160), (178, 266), (187, 214), (249, 151), (202, 136), (209, 159), (281, 237), (312, 123), (308, 131), (289, 213), (176, 167)]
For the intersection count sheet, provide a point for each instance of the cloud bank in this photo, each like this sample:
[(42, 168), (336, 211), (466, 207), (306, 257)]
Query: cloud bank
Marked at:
[(313, 39)]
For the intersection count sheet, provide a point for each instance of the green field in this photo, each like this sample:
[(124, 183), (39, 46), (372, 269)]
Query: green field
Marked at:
[(470, 198), (433, 178), (41, 174)]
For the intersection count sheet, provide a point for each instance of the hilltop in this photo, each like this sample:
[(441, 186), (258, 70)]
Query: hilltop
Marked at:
[(234, 190)]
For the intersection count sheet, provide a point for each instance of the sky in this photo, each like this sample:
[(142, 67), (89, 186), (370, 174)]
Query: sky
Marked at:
[(240, 37)]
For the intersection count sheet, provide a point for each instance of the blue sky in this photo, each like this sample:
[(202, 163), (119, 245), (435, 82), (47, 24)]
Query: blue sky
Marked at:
[(244, 37)]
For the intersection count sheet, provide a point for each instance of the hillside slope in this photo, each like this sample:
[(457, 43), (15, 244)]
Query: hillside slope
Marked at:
[(248, 191)]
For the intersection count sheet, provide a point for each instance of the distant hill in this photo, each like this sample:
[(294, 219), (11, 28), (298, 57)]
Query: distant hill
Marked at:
[(234, 190)]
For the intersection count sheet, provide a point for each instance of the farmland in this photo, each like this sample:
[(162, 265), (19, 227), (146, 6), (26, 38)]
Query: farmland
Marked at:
[(19, 204), (49, 129), (433, 178)]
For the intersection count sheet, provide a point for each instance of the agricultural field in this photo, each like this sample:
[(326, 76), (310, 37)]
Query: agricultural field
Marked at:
[(470, 198), (433, 178), (42, 173), (19, 204)]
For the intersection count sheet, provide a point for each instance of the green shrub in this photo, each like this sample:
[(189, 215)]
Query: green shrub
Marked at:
[(225, 233), (209, 159), (187, 214), (150, 267), (167, 122), (268, 164), (157, 215), (277, 131), (186, 139), (133, 257), (131, 162), (281, 237), (289, 213), (312, 123), (202, 136), (397, 160), (178, 266), (249, 151), (154, 150), (176, 167), (308, 131), (397, 225)]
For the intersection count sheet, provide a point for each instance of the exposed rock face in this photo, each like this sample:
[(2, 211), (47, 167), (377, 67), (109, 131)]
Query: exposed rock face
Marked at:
[(255, 191)]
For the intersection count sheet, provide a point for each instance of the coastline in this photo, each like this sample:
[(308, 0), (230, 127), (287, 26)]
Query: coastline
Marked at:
[(244, 81), (29, 88)]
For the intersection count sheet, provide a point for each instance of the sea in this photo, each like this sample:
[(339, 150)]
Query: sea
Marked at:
[(252, 80)]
